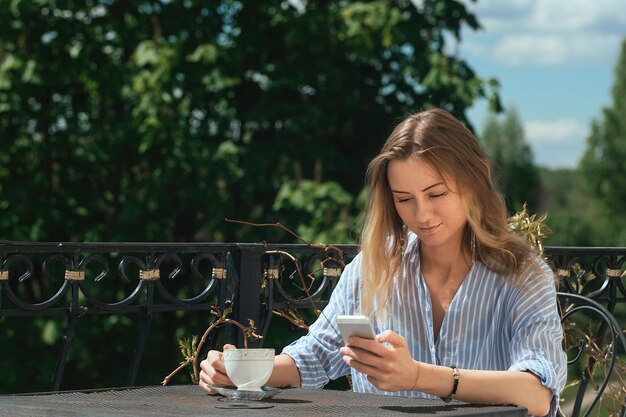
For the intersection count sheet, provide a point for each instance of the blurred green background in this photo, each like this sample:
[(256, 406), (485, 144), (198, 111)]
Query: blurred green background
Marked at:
[(156, 120)]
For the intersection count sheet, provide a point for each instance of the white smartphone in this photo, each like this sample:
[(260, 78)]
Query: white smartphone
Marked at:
[(359, 326)]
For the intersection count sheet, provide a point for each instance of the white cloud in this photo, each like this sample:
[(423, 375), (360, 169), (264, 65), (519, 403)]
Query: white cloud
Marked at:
[(560, 130), (575, 15), (550, 15), (551, 32), (552, 49), (474, 48), (553, 155), (530, 49), (557, 143)]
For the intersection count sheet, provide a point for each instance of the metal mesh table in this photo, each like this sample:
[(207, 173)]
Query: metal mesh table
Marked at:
[(188, 400)]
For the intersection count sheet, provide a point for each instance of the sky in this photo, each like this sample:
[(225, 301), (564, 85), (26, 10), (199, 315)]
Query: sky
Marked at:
[(555, 60)]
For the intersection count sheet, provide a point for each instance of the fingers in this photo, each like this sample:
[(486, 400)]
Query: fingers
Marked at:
[(367, 351), (367, 344), (361, 367), (392, 338), (215, 359), (386, 361), (361, 355), (213, 371), (204, 386)]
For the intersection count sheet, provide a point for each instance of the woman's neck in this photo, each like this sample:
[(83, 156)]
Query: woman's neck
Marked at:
[(448, 262)]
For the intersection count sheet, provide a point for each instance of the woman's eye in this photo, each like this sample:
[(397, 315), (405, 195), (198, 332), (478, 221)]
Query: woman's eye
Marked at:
[(403, 200), (438, 195)]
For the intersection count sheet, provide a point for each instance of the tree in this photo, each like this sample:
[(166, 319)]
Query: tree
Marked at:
[(516, 172), (155, 120), (572, 212), (604, 162)]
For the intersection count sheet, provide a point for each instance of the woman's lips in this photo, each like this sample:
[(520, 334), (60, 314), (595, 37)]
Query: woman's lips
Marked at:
[(429, 230)]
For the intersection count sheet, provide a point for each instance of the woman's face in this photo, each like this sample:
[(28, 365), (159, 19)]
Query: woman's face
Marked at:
[(426, 205)]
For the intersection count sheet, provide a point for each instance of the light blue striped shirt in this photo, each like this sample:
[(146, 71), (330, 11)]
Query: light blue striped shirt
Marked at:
[(490, 324)]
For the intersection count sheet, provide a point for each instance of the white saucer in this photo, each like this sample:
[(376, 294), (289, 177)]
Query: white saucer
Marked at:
[(235, 394)]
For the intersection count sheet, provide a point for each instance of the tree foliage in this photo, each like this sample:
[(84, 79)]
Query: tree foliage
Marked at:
[(516, 172), (155, 120), (604, 162), (573, 214)]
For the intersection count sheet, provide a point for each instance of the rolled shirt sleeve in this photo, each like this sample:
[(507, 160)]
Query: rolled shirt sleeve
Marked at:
[(537, 334)]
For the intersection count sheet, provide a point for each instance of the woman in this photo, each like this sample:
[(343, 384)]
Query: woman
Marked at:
[(463, 307)]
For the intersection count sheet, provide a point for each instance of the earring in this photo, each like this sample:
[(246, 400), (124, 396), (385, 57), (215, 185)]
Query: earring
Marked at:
[(473, 247), (403, 238)]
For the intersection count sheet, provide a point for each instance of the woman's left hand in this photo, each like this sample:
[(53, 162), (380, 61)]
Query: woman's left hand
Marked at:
[(388, 367)]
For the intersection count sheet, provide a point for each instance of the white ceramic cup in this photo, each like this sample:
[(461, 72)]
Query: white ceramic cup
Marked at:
[(250, 368)]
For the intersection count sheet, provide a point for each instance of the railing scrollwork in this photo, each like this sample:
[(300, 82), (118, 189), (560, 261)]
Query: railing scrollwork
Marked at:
[(294, 282)]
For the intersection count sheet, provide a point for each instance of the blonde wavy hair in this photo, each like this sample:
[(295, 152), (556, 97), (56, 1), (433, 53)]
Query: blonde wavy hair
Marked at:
[(438, 138)]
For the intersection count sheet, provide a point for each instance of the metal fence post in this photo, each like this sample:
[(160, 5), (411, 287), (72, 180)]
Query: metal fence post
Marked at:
[(248, 287)]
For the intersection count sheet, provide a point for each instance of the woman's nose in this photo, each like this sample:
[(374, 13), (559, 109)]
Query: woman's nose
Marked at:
[(422, 212)]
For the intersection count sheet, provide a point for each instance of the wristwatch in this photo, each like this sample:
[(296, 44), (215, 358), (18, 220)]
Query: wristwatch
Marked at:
[(450, 397)]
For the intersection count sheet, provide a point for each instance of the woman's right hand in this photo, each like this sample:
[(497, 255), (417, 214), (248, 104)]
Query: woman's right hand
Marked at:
[(213, 371)]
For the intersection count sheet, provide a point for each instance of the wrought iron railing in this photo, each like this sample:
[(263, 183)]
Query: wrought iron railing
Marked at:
[(592, 293), (74, 280), (265, 282)]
